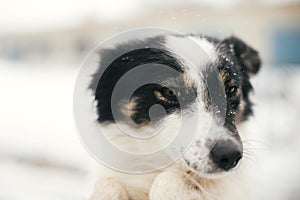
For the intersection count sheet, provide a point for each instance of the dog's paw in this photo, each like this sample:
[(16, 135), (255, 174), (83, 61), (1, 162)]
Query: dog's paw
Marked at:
[(174, 185), (109, 189)]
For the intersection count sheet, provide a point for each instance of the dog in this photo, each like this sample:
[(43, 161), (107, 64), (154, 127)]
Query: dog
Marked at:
[(211, 81)]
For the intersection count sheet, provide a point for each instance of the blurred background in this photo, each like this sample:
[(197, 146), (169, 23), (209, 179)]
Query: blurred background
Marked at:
[(42, 44)]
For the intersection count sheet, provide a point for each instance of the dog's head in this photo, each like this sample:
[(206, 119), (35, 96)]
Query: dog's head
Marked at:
[(217, 85)]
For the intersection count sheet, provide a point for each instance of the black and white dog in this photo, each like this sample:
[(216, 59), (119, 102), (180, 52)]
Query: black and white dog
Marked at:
[(192, 176)]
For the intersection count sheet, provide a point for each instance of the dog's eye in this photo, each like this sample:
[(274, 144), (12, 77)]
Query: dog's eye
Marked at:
[(232, 89), (168, 93)]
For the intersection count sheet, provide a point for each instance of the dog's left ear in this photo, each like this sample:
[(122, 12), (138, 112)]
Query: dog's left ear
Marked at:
[(248, 57)]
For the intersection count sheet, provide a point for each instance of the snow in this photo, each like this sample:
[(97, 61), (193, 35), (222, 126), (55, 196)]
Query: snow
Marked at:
[(275, 131), (41, 156)]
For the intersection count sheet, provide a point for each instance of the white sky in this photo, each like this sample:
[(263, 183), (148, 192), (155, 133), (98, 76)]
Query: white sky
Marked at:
[(18, 15), (26, 15)]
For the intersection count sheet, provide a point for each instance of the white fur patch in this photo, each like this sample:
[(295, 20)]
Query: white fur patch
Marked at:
[(198, 51)]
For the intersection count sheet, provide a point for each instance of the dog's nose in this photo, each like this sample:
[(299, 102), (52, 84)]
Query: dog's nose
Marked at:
[(226, 155)]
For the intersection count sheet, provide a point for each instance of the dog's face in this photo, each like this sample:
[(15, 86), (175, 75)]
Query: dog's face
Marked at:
[(216, 89)]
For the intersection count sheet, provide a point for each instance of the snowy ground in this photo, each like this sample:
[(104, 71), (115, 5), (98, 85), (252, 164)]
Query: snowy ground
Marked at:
[(41, 156), (275, 129)]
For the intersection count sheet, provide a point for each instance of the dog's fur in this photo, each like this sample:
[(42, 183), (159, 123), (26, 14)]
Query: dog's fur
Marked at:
[(190, 177)]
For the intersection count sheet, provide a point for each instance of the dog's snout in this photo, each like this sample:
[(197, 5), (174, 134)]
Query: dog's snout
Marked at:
[(226, 155)]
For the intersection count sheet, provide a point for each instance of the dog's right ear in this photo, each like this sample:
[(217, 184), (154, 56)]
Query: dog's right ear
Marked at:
[(247, 56)]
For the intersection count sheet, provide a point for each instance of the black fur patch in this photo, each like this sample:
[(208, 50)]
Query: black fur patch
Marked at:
[(246, 62), (119, 67)]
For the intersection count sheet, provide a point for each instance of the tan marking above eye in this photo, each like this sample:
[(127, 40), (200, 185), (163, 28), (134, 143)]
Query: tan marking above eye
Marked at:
[(131, 105), (159, 96), (223, 75)]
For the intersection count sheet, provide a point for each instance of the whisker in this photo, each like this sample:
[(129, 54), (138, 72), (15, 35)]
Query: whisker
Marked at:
[(250, 142), (248, 153), (253, 160), (251, 156)]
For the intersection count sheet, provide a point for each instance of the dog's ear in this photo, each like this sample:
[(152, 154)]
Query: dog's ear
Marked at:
[(247, 56)]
